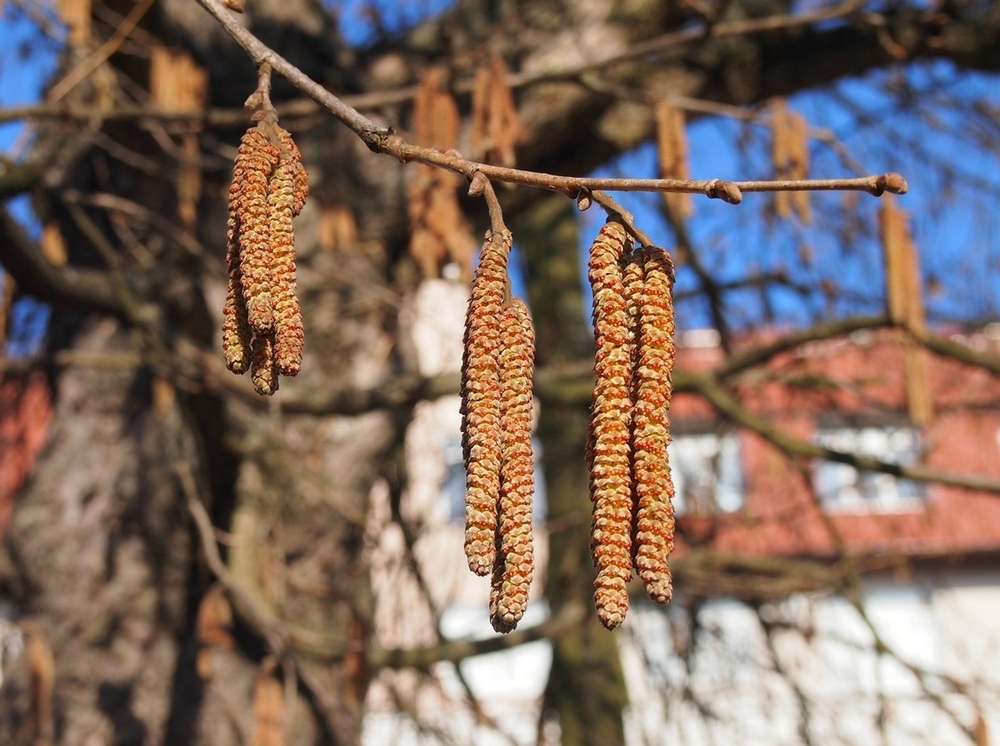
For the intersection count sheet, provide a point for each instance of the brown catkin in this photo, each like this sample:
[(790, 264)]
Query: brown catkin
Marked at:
[(236, 334), (799, 155), (291, 154), (633, 276), (610, 483), (654, 522), (781, 153), (481, 438), (514, 564), (262, 319), (260, 159), (263, 371), (287, 314)]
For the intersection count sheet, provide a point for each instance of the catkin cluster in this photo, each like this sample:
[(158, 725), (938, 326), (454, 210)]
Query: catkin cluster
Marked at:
[(497, 369), (630, 483), (262, 320)]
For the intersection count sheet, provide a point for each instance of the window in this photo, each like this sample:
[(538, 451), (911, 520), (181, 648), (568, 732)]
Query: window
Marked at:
[(707, 470), (841, 487), (452, 495), (453, 484)]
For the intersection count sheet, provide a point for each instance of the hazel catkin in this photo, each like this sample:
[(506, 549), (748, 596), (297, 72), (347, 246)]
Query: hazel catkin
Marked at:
[(293, 156), (263, 370), (480, 392), (611, 487), (514, 563), (262, 319), (654, 520), (236, 333), (261, 157), (287, 314)]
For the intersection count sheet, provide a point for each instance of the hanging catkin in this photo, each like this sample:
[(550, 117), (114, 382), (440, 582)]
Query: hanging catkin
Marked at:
[(610, 483), (236, 333), (262, 320), (514, 564), (672, 152), (799, 155), (260, 158), (654, 521), (287, 314), (633, 276), (480, 392), (780, 154)]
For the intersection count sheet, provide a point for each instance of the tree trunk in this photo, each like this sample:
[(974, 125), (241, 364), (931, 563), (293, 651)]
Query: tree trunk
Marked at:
[(107, 562), (586, 690)]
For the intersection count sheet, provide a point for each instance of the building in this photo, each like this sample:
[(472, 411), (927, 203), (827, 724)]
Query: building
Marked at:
[(805, 666)]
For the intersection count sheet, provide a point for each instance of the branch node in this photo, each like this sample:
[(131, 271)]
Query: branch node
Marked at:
[(260, 99), (891, 182), (724, 190), (583, 200), (482, 185), (478, 185)]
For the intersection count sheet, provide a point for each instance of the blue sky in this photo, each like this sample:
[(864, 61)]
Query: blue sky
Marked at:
[(954, 225), (26, 61)]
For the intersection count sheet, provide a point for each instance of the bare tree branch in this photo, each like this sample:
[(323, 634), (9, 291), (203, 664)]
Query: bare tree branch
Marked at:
[(63, 287), (381, 139), (729, 406)]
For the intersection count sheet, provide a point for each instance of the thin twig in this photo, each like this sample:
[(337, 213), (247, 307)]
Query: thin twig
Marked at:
[(263, 622), (382, 139), (614, 208), (708, 284), (125, 206), (101, 54), (260, 99), (481, 185)]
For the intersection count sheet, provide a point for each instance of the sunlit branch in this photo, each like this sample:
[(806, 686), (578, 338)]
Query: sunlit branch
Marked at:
[(65, 286), (726, 404), (382, 139), (85, 68)]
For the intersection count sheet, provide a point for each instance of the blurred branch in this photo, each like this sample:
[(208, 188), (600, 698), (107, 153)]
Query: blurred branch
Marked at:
[(382, 139), (946, 348), (457, 650), (397, 391), (65, 286), (800, 696), (709, 573), (99, 55), (853, 592), (727, 404), (16, 179), (281, 635), (259, 618), (745, 359), (708, 284), (115, 203)]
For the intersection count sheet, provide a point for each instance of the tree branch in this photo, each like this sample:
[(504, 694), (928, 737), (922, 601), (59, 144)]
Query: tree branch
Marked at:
[(63, 287), (17, 179), (726, 404), (381, 139), (751, 358)]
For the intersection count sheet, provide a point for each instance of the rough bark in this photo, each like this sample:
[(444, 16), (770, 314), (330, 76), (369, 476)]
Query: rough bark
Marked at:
[(586, 690), (105, 559)]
